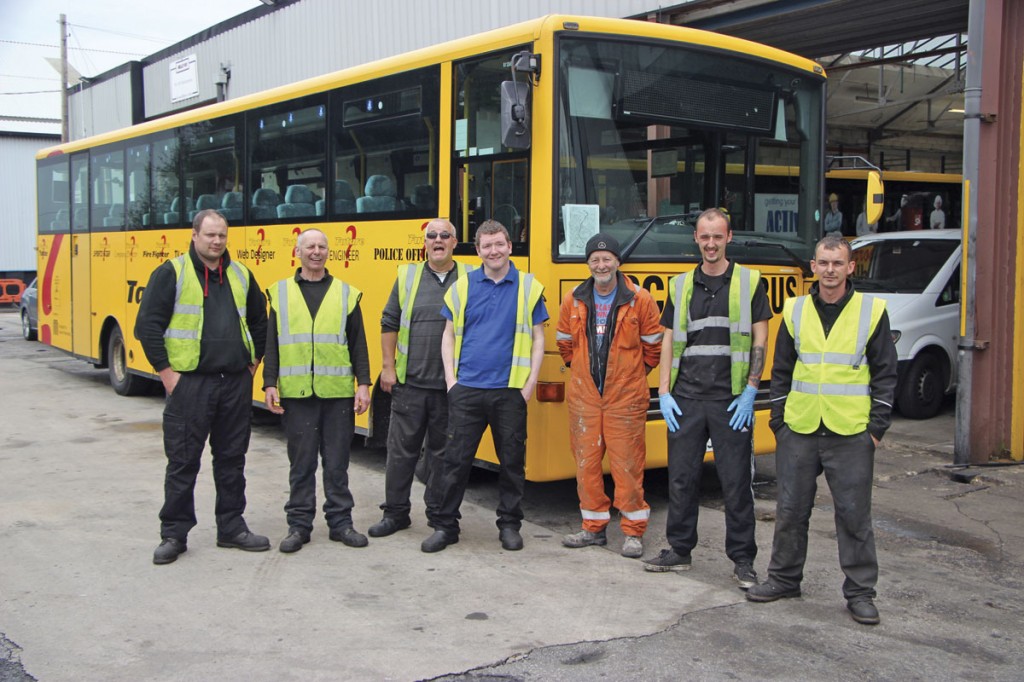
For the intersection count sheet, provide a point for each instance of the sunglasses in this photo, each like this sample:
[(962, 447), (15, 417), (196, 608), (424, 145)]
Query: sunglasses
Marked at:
[(439, 235)]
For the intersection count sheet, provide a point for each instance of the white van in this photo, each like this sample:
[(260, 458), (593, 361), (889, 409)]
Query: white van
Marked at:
[(917, 272)]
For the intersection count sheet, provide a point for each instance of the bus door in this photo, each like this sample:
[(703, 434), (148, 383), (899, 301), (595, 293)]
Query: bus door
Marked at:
[(81, 258), (491, 181)]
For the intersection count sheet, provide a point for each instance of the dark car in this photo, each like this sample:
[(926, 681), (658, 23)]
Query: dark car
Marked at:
[(29, 312)]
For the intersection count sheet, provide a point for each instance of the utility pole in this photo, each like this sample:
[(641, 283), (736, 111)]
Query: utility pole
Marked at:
[(64, 78)]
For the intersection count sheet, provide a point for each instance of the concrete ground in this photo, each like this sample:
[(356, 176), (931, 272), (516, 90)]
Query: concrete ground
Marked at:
[(81, 483)]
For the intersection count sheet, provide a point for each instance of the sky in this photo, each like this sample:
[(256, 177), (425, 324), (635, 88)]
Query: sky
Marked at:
[(102, 34)]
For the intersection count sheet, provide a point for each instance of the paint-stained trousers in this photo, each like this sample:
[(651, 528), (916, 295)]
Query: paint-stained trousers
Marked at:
[(848, 463), (734, 463), (470, 412), (319, 428), (218, 407), (619, 431), (415, 413)]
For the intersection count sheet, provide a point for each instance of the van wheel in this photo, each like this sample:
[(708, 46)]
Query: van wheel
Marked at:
[(123, 381), (920, 395)]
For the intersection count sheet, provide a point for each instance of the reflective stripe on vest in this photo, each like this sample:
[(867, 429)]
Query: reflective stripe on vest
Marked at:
[(831, 378), (409, 277), (742, 285), (313, 353), (528, 295), (184, 333)]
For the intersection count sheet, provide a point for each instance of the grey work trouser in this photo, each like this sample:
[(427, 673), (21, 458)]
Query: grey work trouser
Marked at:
[(848, 464)]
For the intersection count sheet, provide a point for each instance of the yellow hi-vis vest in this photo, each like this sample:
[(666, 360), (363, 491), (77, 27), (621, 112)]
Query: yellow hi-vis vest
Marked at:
[(313, 354), (529, 294), (184, 333), (742, 285), (831, 378), (409, 276)]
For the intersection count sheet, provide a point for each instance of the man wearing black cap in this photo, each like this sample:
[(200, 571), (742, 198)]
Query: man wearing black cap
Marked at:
[(609, 335)]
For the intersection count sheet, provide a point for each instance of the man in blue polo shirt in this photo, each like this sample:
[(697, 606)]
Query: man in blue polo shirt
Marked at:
[(492, 350)]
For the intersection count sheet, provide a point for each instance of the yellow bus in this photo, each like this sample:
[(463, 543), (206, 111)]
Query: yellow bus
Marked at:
[(523, 124)]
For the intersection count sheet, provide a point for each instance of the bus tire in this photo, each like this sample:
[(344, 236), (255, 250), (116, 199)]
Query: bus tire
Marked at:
[(923, 388), (123, 381)]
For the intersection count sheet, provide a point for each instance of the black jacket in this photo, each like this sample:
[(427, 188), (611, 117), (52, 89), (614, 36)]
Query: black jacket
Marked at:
[(222, 348)]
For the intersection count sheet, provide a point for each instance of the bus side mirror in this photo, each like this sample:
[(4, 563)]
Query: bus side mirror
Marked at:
[(515, 115), (875, 198)]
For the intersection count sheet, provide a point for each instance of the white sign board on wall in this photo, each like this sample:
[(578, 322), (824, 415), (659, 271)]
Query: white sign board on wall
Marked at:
[(775, 213), (184, 78)]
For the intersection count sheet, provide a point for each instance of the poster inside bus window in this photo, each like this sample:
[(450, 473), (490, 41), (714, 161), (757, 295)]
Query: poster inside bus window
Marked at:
[(776, 213)]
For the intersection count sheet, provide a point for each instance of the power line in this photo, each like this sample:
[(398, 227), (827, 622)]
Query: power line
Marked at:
[(30, 78), (82, 49), (29, 92), (119, 33)]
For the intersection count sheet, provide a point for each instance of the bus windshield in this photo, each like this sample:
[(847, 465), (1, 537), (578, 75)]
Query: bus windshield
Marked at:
[(651, 134)]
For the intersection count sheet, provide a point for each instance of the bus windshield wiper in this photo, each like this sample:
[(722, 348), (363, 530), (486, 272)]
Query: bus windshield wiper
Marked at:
[(632, 244), (804, 266)]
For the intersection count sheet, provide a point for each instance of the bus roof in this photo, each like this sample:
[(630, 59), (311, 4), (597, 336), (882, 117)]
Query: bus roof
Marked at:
[(528, 31)]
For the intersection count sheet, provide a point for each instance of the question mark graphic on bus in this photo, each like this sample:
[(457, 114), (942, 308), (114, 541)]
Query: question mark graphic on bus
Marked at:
[(296, 231), (106, 246), (163, 246), (131, 251), (351, 229), (259, 248)]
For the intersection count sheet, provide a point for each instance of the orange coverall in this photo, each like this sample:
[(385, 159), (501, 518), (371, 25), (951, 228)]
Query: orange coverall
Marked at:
[(611, 420)]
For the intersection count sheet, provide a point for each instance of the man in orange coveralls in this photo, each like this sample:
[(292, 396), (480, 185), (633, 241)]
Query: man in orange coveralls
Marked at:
[(609, 335)]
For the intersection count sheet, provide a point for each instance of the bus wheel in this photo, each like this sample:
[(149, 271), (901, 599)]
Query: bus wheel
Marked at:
[(920, 396), (123, 381)]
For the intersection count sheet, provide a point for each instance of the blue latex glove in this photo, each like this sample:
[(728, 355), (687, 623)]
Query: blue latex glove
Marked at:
[(668, 407), (744, 406)]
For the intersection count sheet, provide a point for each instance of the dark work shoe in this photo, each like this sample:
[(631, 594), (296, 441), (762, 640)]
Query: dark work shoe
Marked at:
[(745, 575), (349, 536), (387, 526), (438, 541), (510, 539), (863, 611), (168, 551), (666, 561), (770, 591), (586, 538), (294, 541), (246, 540)]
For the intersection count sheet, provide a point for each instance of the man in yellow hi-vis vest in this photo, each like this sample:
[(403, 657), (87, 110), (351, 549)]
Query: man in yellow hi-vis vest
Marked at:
[(833, 380), (411, 330), (202, 324), (711, 366), (317, 375), (492, 349)]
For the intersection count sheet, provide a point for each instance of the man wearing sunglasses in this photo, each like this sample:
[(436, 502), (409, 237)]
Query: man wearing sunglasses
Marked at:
[(411, 330)]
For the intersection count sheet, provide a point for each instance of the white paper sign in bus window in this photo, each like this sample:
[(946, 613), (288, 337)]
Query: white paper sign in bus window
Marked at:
[(184, 78)]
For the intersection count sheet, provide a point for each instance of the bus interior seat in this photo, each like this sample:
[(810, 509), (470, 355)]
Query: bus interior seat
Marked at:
[(115, 216), (231, 206), (173, 216), (81, 218), (60, 221), (298, 203), (380, 196), (344, 199), (264, 204), (423, 198), (204, 202)]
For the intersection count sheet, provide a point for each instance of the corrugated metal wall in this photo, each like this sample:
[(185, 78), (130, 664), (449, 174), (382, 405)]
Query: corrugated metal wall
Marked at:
[(314, 37), (18, 199), (102, 107)]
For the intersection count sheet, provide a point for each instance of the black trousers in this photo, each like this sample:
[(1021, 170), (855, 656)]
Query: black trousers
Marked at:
[(848, 463), (470, 412), (318, 428), (734, 463), (416, 413), (218, 407)]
